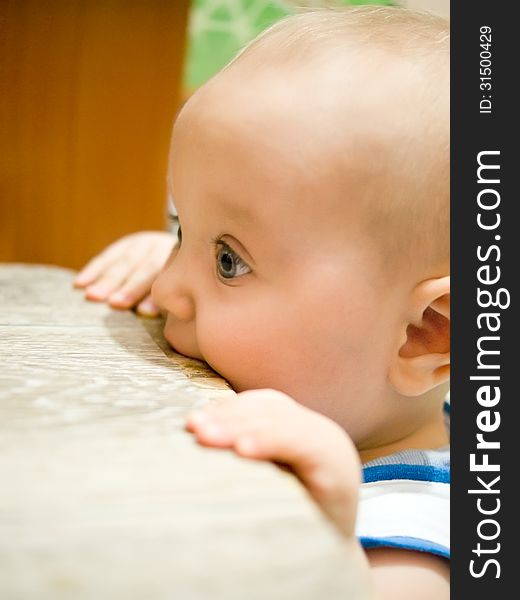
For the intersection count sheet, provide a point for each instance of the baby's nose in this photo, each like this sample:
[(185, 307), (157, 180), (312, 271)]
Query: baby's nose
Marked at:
[(171, 292)]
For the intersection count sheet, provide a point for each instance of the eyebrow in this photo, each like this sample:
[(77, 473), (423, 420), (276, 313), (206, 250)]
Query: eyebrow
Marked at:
[(244, 213)]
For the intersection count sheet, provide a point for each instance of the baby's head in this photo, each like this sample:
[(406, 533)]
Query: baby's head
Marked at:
[(311, 179)]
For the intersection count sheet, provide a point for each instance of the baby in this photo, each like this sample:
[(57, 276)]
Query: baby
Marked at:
[(311, 180)]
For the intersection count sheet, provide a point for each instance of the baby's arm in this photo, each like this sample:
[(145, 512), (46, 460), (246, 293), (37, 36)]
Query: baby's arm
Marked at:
[(124, 272), (269, 425)]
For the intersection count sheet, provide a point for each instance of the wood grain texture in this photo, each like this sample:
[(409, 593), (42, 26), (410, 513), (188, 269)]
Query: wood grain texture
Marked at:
[(103, 495)]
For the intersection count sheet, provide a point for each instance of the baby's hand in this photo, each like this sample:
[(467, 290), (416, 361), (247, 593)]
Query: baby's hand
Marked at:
[(269, 425), (124, 272)]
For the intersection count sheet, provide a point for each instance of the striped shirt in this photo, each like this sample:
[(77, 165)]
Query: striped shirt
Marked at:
[(405, 501)]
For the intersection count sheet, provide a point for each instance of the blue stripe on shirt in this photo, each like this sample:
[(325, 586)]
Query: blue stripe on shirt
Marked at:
[(410, 472), (405, 543)]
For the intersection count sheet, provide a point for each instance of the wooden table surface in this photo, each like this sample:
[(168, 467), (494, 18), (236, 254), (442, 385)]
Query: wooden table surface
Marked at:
[(103, 495)]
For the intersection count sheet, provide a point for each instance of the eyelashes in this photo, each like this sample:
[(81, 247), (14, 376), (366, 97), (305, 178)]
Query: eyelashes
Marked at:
[(229, 263)]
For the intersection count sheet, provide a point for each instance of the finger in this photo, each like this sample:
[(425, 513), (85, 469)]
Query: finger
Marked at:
[(135, 288), (209, 431), (230, 423), (267, 439), (194, 419), (235, 415), (92, 270), (97, 265), (148, 308), (242, 417), (210, 425), (109, 281), (300, 438)]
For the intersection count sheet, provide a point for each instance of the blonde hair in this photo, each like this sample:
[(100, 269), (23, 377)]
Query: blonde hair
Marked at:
[(386, 27), (412, 225)]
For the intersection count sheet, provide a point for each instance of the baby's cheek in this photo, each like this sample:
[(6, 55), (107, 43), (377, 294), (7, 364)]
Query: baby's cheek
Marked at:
[(244, 353)]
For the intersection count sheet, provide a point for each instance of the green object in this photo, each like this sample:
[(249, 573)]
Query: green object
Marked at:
[(218, 29)]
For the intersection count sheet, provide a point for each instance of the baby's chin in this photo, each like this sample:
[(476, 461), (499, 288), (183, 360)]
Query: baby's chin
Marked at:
[(241, 380), (244, 381)]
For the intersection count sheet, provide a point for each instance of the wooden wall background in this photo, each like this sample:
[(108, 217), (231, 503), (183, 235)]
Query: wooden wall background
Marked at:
[(88, 93)]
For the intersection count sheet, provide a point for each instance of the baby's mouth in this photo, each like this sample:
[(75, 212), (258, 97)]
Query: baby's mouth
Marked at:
[(181, 346)]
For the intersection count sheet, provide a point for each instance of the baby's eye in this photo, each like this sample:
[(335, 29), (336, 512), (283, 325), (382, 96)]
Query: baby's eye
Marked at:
[(179, 235), (229, 264)]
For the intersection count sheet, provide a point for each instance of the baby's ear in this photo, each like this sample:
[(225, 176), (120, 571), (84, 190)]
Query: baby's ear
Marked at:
[(422, 357)]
